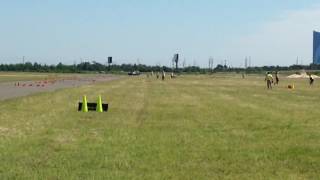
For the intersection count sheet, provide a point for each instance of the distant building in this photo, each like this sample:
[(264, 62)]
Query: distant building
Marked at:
[(316, 47)]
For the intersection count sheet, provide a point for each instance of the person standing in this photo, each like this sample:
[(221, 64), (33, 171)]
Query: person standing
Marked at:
[(277, 78), (163, 75), (311, 80), (269, 80)]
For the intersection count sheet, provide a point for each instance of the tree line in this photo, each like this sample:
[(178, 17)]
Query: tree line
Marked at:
[(114, 68)]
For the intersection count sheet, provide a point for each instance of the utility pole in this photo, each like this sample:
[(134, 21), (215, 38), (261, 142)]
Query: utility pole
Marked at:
[(172, 65), (246, 63), (184, 63), (211, 64), (75, 66)]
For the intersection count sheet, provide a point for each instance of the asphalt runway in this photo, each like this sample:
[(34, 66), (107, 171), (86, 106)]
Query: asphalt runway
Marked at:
[(24, 88)]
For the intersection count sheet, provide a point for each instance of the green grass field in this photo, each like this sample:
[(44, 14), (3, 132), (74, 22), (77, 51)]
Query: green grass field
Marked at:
[(192, 127)]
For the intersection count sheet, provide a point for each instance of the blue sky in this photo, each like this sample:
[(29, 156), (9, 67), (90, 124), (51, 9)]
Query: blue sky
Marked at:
[(150, 32)]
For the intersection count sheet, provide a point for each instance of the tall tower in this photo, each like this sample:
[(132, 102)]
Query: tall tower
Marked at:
[(316, 47)]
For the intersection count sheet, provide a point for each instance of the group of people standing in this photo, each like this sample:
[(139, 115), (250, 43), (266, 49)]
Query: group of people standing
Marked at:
[(163, 75), (269, 79)]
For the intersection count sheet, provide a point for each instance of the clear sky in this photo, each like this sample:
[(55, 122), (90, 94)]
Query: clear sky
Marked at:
[(272, 32)]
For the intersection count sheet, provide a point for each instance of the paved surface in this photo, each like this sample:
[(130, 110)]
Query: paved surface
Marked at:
[(23, 88)]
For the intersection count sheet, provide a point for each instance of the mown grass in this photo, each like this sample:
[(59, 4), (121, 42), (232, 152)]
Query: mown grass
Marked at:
[(193, 127)]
